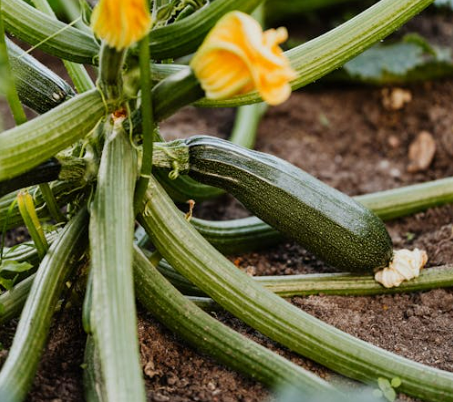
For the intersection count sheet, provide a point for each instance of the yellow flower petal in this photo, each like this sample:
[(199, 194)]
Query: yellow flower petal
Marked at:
[(237, 57), (121, 23)]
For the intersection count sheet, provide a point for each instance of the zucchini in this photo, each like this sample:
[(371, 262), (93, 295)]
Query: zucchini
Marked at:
[(38, 87), (333, 226)]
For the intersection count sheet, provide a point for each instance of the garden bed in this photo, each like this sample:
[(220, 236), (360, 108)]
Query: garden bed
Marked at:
[(346, 137)]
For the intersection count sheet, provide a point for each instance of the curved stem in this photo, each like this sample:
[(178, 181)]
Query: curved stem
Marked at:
[(77, 72), (19, 369), (210, 336), (314, 59), (246, 123), (8, 81), (199, 262), (113, 319), (50, 35), (29, 144), (148, 126)]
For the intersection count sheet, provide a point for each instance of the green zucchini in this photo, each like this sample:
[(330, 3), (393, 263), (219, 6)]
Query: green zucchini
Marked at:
[(325, 221), (38, 87)]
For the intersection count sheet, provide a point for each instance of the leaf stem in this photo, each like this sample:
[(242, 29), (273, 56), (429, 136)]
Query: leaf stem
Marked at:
[(113, 319), (210, 336), (148, 125), (19, 369), (28, 212), (11, 92), (199, 262)]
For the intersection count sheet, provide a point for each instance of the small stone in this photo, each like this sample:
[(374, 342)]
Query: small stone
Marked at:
[(395, 98), (421, 152), (394, 141), (250, 270)]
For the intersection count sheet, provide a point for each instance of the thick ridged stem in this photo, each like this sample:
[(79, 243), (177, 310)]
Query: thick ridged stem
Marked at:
[(318, 57), (8, 82), (32, 143), (110, 80), (77, 72), (64, 193), (341, 284), (148, 126), (113, 318), (210, 336), (187, 251), (19, 369), (31, 220), (50, 35)]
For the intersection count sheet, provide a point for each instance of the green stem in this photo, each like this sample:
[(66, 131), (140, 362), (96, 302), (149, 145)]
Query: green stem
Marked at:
[(113, 318), (184, 37), (50, 35), (12, 301), (199, 262), (64, 193), (11, 92), (314, 59), (246, 123), (28, 212), (110, 74), (32, 143), (19, 369), (146, 107), (92, 374), (77, 72), (217, 340), (51, 203), (341, 284)]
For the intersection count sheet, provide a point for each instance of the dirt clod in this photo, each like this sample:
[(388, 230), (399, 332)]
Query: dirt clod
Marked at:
[(421, 152)]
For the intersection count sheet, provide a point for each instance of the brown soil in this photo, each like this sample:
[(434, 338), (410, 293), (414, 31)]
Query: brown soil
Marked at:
[(345, 137)]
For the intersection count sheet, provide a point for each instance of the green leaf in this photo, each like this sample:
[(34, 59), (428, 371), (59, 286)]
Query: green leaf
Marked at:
[(414, 58), (14, 266), (444, 3), (386, 388), (7, 283), (396, 382)]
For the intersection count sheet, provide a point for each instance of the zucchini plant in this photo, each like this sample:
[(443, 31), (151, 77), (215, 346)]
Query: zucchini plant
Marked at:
[(94, 163)]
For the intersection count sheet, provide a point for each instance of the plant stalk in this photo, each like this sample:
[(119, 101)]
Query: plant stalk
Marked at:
[(199, 262), (21, 364), (113, 318), (217, 340)]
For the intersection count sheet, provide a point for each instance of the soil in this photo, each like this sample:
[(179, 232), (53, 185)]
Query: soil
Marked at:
[(347, 138)]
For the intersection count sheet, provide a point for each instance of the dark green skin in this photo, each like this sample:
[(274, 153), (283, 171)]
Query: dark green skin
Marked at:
[(333, 226), (38, 87)]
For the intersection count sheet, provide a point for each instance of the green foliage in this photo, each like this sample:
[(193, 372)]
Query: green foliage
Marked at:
[(386, 388), (413, 58), (10, 270), (444, 3)]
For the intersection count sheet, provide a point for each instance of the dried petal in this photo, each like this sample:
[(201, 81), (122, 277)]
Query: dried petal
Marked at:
[(405, 265)]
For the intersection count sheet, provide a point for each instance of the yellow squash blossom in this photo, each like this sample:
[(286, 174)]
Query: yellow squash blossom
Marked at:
[(237, 57), (121, 23)]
